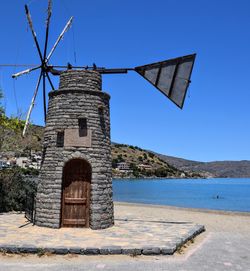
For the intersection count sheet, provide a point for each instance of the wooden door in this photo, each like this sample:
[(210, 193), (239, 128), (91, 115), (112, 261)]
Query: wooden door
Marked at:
[(76, 194)]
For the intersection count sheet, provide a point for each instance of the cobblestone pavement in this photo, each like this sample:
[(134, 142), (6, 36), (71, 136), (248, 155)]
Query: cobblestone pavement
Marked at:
[(128, 236)]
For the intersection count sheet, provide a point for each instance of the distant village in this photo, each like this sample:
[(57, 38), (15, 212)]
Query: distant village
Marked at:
[(10, 159), (33, 161), (122, 169)]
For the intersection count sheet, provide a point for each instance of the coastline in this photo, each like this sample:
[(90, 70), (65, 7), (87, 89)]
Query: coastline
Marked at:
[(159, 178), (214, 221), (187, 209), (172, 178)]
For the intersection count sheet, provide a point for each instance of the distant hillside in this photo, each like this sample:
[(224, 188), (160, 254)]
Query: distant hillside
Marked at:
[(217, 169), (142, 163)]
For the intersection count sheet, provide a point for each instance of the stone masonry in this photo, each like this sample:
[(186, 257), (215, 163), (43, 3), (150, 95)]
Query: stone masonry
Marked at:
[(79, 96)]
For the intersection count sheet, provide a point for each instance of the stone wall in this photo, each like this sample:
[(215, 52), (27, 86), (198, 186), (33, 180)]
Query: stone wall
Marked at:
[(79, 96)]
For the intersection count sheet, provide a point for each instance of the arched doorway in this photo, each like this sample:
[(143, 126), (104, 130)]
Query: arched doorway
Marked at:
[(76, 194)]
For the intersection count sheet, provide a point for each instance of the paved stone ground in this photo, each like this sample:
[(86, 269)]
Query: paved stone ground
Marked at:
[(216, 252), (128, 236)]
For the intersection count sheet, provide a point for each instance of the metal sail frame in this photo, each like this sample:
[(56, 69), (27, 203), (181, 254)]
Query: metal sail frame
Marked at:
[(171, 77)]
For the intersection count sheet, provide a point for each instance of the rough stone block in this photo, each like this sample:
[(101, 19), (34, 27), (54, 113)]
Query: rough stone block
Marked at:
[(131, 251), (61, 250), (168, 250), (92, 251), (151, 251)]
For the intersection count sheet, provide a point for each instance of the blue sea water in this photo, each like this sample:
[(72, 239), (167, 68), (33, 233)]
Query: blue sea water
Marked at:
[(217, 194)]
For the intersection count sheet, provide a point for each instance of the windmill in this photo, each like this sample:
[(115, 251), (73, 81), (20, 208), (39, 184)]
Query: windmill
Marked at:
[(77, 138), (171, 77)]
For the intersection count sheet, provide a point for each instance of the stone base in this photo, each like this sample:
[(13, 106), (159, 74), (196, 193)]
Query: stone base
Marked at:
[(130, 237)]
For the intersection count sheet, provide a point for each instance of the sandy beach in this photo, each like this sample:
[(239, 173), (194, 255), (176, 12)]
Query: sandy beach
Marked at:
[(214, 221), (225, 245)]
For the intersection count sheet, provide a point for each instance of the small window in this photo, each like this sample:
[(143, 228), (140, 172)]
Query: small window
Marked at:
[(83, 129), (60, 139), (102, 120)]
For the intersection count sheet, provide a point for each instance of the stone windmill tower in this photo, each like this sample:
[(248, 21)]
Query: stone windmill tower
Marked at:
[(75, 186), (75, 183)]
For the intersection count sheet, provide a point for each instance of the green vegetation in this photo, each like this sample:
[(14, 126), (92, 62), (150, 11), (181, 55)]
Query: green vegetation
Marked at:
[(12, 123), (11, 138), (15, 184), (1, 105), (11, 134)]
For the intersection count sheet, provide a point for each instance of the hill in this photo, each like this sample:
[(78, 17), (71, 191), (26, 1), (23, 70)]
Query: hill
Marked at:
[(139, 162), (216, 169), (143, 163)]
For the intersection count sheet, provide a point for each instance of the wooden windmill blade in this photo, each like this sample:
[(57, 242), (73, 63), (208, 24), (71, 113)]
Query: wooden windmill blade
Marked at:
[(15, 75), (49, 12), (45, 73), (45, 68), (46, 59), (170, 77), (44, 55), (67, 26), (32, 105), (33, 32)]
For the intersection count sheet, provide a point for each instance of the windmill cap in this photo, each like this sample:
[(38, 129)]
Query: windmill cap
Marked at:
[(86, 79)]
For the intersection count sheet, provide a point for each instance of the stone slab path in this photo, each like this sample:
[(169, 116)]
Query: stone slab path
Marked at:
[(128, 236)]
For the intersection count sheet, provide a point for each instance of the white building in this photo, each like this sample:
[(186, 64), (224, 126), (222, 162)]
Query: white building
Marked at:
[(22, 161), (122, 166)]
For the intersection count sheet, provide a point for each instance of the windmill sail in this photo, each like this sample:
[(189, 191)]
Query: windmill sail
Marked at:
[(32, 105), (43, 58), (171, 77)]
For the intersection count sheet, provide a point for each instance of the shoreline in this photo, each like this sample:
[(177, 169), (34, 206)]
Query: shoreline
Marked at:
[(166, 178), (187, 209), (214, 221)]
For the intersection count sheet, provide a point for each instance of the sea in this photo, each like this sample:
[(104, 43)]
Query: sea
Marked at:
[(229, 194)]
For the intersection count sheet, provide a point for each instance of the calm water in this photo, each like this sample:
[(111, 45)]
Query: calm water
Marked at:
[(217, 194)]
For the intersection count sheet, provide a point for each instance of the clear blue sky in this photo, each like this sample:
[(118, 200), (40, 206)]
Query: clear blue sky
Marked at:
[(214, 123)]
